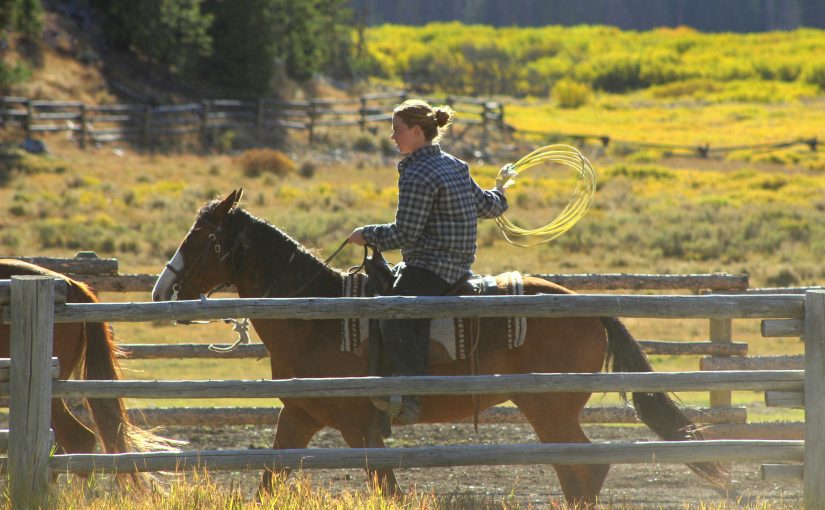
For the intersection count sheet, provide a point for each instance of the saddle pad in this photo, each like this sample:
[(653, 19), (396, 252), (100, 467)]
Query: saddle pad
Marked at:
[(455, 335)]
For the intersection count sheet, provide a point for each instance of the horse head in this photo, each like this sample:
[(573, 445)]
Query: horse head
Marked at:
[(200, 264)]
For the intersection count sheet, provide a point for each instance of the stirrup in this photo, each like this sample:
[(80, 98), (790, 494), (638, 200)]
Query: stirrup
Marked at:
[(391, 405), (394, 408)]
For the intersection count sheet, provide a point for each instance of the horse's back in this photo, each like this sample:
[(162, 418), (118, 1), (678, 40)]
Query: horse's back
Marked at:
[(78, 292), (561, 344), (68, 336), (537, 285)]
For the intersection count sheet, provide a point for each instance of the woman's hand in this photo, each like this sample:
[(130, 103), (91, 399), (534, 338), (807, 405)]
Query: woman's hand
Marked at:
[(506, 177), (357, 237)]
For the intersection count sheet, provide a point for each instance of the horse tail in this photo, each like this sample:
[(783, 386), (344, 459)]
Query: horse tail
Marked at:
[(656, 410), (99, 362)]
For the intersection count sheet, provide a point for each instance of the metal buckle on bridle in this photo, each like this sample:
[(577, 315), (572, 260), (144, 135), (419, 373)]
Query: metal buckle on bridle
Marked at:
[(242, 328)]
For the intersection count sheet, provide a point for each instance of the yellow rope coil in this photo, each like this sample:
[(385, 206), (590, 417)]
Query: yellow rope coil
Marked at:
[(571, 214)]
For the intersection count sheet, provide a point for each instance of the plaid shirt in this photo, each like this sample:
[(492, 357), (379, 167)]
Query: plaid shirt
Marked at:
[(438, 209)]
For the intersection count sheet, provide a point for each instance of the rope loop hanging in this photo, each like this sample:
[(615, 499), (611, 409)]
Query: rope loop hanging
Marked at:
[(577, 207)]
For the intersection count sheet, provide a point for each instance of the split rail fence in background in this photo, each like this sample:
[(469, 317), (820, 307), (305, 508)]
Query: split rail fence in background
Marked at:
[(722, 420), (147, 124), (32, 315)]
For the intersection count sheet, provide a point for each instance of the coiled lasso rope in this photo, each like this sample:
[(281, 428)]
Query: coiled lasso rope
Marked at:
[(571, 214)]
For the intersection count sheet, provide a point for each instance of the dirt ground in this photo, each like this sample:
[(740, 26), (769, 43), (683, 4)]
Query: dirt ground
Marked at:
[(628, 485)]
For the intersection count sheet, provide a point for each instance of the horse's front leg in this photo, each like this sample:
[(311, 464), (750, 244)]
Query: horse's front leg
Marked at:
[(295, 429), (362, 432)]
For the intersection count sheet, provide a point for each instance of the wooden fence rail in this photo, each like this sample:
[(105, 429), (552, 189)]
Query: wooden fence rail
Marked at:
[(439, 456), (541, 305), (102, 274), (34, 329), (144, 123), (268, 416)]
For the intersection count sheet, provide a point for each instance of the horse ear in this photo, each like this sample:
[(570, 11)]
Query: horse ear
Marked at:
[(227, 204), (238, 195)]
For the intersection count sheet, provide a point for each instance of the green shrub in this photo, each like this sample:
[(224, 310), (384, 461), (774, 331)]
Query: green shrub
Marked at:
[(364, 143), (18, 210), (815, 74), (307, 169), (784, 277), (256, 162), (616, 73), (388, 147), (571, 94), (696, 88), (13, 75), (640, 173)]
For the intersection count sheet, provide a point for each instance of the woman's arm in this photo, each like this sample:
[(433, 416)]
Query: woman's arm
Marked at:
[(490, 203), (415, 202)]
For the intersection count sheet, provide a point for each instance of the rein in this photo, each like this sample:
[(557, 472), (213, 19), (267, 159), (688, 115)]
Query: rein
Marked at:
[(241, 327), (318, 273)]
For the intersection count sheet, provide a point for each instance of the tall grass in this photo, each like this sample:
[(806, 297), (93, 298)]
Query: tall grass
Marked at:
[(198, 490)]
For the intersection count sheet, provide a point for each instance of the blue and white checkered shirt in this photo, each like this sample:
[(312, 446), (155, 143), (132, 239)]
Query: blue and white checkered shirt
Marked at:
[(439, 205)]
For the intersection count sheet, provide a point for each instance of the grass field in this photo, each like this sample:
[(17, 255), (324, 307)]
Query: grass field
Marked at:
[(656, 210), (755, 212)]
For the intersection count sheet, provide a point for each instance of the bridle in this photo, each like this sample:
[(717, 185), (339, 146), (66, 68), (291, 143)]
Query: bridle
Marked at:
[(182, 277)]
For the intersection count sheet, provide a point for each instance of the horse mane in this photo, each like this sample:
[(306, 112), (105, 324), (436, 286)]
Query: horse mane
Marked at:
[(280, 263)]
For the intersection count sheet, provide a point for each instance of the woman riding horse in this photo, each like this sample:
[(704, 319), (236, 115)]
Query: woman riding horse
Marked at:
[(227, 245), (435, 227)]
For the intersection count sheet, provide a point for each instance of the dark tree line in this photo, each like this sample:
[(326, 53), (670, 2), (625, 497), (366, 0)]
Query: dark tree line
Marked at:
[(22, 16), (703, 15), (243, 46)]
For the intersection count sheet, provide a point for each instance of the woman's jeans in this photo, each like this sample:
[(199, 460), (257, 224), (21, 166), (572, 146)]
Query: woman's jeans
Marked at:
[(406, 341)]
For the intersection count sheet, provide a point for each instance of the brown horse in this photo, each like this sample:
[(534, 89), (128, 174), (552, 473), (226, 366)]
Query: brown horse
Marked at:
[(227, 245), (86, 350)]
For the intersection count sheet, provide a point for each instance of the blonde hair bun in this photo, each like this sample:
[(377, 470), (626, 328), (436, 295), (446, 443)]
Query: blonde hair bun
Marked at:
[(443, 115)]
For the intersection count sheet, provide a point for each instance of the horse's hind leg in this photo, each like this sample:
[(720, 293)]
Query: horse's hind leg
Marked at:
[(70, 435), (295, 430), (555, 419)]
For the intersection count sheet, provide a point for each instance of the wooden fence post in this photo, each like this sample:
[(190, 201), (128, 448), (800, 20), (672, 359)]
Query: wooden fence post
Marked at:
[(147, 125), (204, 121), (259, 120), (82, 140), (721, 332), (814, 468), (311, 126), (32, 322), (27, 126), (362, 114)]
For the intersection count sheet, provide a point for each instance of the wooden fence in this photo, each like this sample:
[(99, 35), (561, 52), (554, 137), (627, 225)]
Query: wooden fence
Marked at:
[(147, 124), (32, 314), (722, 420)]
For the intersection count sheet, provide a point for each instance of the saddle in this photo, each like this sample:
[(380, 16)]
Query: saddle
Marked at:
[(451, 338)]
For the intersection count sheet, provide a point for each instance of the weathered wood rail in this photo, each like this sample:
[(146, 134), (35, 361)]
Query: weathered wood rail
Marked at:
[(33, 316), (146, 124), (102, 274)]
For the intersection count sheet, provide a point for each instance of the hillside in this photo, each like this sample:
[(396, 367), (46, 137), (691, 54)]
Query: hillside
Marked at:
[(73, 62), (751, 210)]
